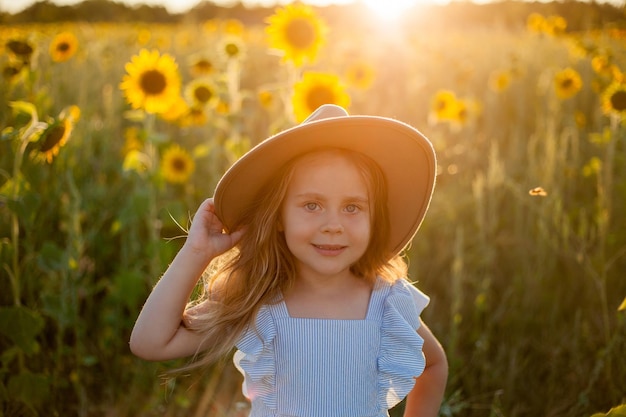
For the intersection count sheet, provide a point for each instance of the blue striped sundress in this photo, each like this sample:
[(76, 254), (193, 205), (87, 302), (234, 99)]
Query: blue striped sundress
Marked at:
[(301, 367)]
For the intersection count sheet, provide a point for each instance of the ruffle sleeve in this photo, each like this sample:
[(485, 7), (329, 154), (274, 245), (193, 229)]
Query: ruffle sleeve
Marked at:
[(400, 359), (255, 359)]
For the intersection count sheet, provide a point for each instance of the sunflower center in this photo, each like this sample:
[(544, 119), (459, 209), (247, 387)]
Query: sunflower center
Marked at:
[(10, 71), (318, 96), (567, 83), (232, 50), (203, 65), (153, 82), (618, 100), (202, 94), (20, 48), (53, 137), (63, 47), (462, 115), (179, 165), (300, 33)]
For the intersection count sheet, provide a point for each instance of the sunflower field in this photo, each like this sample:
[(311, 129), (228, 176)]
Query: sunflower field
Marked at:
[(111, 134)]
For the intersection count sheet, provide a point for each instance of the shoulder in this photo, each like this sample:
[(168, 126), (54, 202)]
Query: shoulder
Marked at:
[(403, 289)]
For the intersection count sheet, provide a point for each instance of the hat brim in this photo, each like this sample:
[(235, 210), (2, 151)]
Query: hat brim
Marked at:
[(405, 156)]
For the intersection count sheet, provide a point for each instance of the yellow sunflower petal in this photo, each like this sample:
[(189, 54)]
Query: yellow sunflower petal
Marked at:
[(177, 165), (614, 100), (152, 81), (443, 106), (63, 46), (567, 83), (297, 31), (315, 89)]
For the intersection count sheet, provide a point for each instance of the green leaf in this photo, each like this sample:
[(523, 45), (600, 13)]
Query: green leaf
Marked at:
[(30, 388), (8, 133), (24, 107), (128, 288), (51, 258), (14, 186), (21, 325)]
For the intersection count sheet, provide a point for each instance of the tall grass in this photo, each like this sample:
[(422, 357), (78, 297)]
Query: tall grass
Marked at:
[(525, 288)]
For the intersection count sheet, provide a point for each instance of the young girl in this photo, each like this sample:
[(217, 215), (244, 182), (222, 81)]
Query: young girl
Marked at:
[(303, 238)]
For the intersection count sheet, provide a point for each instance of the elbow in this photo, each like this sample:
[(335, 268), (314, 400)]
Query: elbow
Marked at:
[(140, 348)]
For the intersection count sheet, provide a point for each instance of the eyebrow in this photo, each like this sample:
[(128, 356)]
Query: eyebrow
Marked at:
[(355, 198)]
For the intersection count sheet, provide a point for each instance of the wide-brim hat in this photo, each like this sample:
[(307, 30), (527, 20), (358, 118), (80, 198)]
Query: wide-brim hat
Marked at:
[(405, 156)]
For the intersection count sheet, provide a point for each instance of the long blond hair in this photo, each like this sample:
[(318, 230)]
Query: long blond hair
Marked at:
[(261, 266)]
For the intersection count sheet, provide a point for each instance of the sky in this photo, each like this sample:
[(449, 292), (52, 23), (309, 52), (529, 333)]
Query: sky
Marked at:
[(179, 6)]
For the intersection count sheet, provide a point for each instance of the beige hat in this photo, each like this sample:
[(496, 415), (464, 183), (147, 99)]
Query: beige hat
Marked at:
[(405, 156)]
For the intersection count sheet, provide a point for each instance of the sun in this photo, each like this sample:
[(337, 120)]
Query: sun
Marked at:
[(390, 9)]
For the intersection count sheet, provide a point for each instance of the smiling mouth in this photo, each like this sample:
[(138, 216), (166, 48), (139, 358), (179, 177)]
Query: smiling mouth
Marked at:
[(329, 247)]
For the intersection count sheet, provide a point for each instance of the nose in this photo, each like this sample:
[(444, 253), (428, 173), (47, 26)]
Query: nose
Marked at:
[(332, 224)]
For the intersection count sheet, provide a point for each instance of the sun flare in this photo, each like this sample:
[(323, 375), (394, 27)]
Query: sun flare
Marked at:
[(390, 9)]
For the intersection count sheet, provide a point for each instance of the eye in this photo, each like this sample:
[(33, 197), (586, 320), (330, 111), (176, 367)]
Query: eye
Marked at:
[(311, 206), (352, 208)]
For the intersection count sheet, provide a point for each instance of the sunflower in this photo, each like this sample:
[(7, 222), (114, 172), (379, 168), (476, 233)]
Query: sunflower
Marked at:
[(56, 135), (315, 89), (177, 111), (360, 75), (136, 161), (201, 65), (297, 31), (232, 47), (133, 140), (535, 23), (602, 65), (234, 27), (266, 98), (197, 116), (143, 36), (443, 107), (21, 49), (614, 100), (152, 81), (11, 71), (202, 92), (63, 46), (567, 83), (464, 112), (177, 165), (555, 25), (499, 81)]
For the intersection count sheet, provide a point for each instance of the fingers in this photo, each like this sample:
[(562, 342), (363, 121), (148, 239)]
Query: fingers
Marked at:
[(236, 235)]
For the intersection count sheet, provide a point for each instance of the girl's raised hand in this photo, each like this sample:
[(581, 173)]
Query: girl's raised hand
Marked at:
[(206, 235)]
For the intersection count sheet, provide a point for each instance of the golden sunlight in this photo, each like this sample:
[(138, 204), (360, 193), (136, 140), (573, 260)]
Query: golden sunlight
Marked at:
[(391, 9)]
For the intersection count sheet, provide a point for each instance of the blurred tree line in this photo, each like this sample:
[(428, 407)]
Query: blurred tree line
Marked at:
[(510, 14)]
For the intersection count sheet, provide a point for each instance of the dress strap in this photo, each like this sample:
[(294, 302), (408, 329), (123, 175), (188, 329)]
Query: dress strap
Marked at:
[(377, 300), (279, 308)]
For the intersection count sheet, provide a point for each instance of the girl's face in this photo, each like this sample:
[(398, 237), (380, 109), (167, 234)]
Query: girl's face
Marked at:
[(325, 215)]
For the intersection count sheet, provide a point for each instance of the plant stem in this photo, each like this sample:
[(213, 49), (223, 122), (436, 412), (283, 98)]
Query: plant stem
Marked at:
[(15, 274)]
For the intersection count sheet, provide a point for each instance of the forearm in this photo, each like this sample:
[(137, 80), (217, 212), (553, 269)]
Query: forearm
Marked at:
[(425, 398), (160, 318)]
